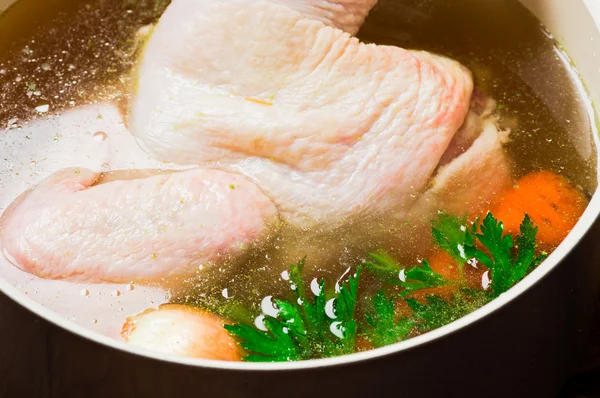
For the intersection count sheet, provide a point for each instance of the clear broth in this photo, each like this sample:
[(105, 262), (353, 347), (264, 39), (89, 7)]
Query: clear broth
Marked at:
[(71, 54)]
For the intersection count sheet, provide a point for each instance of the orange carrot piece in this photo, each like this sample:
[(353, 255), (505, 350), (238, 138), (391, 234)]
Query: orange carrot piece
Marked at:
[(442, 263), (553, 204)]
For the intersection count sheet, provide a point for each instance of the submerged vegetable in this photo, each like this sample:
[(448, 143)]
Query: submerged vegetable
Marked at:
[(181, 330), (303, 328), (420, 299), (383, 325), (551, 202)]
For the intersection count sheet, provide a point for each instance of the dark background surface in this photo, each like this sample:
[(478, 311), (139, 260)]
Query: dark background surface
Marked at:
[(585, 379), (31, 367)]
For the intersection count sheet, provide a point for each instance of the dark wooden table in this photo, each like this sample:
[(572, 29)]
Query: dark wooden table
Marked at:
[(74, 367)]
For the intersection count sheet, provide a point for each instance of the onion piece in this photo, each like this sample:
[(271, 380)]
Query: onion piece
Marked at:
[(181, 330)]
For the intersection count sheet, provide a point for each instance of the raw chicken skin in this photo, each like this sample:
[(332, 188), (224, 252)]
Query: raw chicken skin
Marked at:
[(347, 15), (327, 127), (135, 227), (307, 124)]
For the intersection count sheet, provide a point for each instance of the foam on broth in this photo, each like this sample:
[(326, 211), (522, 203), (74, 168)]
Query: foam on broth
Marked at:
[(63, 84)]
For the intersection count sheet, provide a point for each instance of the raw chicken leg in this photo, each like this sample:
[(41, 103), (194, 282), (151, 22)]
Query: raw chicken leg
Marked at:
[(138, 227)]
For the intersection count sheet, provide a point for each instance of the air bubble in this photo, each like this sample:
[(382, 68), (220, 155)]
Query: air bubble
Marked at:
[(337, 329), (402, 275), (268, 308), (485, 280), (259, 322), (329, 309), (472, 262), (315, 287)]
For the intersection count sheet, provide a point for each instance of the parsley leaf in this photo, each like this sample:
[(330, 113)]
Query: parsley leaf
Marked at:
[(416, 278), (432, 314), (506, 267), (384, 266), (302, 330), (526, 259), (425, 277), (277, 345), (452, 234), (507, 263), (382, 327), (344, 308), (437, 312)]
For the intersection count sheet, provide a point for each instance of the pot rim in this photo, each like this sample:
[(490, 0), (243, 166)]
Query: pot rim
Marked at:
[(589, 217)]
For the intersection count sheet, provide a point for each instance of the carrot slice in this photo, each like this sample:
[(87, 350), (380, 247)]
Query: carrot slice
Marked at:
[(442, 263), (553, 204)]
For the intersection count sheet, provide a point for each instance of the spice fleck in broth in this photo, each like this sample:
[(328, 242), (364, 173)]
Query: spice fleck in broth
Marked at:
[(66, 95)]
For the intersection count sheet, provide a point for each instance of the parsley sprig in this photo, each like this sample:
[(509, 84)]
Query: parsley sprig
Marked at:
[(414, 279), (508, 263), (383, 327), (435, 312), (507, 266), (303, 329)]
